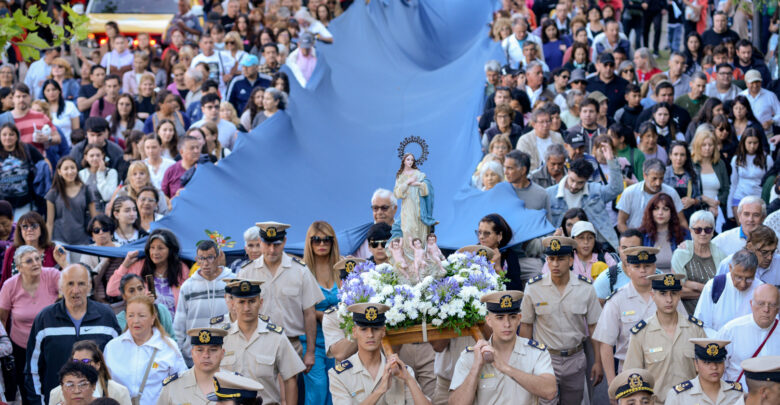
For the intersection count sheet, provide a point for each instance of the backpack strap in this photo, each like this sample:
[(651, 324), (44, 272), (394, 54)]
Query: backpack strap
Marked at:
[(718, 285)]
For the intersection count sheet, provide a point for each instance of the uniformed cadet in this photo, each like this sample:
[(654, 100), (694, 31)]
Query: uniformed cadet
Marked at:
[(235, 389), (337, 344), (709, 387), (520, 370), (290, 290), (625, 307), (660, 344), (762, 375), (193, 386), (258, 349), (223, 321), (556, 309), (367, 376), (632, 387)]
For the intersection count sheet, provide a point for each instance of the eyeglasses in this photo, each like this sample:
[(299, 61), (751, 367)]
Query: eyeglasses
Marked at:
[(762, 304), (206, 259), (377, 243), (765, 252), (30, 227), (629, 71), (483, 233), (33, 260), (69, 386), (85, 361), (706, 230), (316, 240), (564, 77), (380, 207), (101, 229)]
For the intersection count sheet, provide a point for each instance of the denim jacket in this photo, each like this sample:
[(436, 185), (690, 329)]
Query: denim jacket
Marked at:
[(595, 203)]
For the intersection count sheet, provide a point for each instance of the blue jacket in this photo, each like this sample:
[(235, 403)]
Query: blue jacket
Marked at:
[(51, 339), (595, 203), (241, 88)]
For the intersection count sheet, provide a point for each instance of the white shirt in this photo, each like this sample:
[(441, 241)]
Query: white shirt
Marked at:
[(634, 200), (35, 76), (127, 363), (731, 241), (63, 121), (769, 275), (765, 106), (218, 63), (745, 336), (157, 177), (732, 304), (712, 91), (115, 59)]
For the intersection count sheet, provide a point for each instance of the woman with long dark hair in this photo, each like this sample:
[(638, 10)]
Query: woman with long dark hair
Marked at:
[(125, 118), (161, 261), (748, 167), (17, 170), (66, 204), (724, 133), (661, 228), (168, 108), (681, 176), (742, 118), (494, 232), (708, 111), (552, 45), (281, 82), (254, 108), (664, 125), (693, 52), (64, 114)]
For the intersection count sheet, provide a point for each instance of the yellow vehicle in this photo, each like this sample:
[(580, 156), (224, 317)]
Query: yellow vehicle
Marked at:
[(133, 17)]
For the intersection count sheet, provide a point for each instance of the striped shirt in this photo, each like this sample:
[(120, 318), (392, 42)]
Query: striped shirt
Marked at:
[(27, 125)]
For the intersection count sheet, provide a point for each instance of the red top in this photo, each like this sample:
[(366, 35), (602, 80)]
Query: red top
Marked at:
[(645, 76)]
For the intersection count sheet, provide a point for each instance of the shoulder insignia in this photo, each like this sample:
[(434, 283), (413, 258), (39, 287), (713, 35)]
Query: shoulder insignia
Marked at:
[(683, 386), (170, 378), (217, 319), (331, 309), (246, 263), (263, 318), (610, 295), (583, 278), (636, 328), (695, 321), (540, 346), (299, 261), (275, 328), (535, 279), (469, 349), (736, 386), (344, 365)]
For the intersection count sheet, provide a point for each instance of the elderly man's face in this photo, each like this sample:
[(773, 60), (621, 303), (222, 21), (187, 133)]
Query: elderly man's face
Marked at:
[(741, 277), (253, 249), (765, 305), (535, 77), (555, 165), (75, 286), (383, 210), (763, 252), (492, 77), (750, 217)]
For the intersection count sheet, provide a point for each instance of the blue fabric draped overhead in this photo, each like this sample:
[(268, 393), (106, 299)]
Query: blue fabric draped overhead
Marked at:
[(396, 68)]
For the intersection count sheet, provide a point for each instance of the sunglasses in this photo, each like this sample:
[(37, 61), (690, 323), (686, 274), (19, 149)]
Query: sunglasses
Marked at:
[(85, 361), (380, 207), (316, 240), (101, 229), (706, 230), (33, 226), (377, 243)]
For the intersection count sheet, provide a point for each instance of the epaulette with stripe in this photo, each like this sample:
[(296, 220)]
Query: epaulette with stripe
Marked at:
[(217, 319), (535, 279), (636, 328), (469, 349), (299, 261), (263, 318), (610, 295), (331, 309), (275, 328), (583, 278), (683, 386), (540, 346), (170, 378), (695, 321), (344, 365), (735, 385)]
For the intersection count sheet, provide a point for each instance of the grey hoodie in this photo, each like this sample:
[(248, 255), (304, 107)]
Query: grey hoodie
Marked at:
[(199, 301)]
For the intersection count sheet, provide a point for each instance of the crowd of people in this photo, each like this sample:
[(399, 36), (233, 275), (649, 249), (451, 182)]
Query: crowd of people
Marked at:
[(661, 278)]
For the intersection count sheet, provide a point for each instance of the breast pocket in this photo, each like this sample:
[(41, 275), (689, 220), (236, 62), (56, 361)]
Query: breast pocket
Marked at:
[(629, 318), (545, 309), (655, 354), (263, 365), (229, 361)]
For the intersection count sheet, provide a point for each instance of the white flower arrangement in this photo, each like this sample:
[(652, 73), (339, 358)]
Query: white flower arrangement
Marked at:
[(451, 301)]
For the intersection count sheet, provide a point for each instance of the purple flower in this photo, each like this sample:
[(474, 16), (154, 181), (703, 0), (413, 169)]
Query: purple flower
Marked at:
[(354, 294), (442, 291), (480, 281), (402, 293)]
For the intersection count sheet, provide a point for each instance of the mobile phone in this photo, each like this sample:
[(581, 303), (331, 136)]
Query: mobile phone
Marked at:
[(150, 285), (60, 250)]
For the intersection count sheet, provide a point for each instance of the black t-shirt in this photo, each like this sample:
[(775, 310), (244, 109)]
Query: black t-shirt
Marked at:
[(614, 90), (710, 37), (227, 22), (145, 104)]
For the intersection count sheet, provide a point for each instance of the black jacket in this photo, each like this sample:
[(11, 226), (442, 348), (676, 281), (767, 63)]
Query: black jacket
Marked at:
[(51, 338)]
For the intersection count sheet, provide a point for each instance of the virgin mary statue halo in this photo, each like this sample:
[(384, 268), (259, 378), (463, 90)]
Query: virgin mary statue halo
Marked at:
[(419, 158)]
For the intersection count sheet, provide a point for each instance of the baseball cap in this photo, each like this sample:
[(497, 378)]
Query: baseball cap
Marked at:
[(575, 140), (249, 60), (752, 75), (306, 40), (606, 57)]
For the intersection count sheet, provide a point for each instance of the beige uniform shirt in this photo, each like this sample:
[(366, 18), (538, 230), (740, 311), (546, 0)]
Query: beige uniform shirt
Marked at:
[(445, 361), (669, 359), (690, 393), (560, 321), (287, 293), (331, 330), (265, 355), (623, 309), (495, 387), (741, 400), (353, 384), (182, 390)]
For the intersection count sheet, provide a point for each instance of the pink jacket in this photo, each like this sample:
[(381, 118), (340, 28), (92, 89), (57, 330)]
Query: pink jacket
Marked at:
[(112, 288)]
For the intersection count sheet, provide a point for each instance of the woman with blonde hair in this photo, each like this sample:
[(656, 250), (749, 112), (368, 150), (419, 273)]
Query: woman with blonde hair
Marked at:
[(234, 46), (228, 113), (137, 178), (62, 73), (320, 254), (711, 169), (502, 28), (145, 100), (144, 346), (87, 352)]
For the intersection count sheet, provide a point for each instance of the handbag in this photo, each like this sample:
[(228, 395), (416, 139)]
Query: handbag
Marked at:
[(8, 365)]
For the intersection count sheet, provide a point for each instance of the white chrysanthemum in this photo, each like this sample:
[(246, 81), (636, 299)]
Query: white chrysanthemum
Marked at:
[(436, 322)]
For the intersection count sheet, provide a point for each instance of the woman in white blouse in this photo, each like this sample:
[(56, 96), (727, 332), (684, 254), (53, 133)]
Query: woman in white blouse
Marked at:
[(144, 345)]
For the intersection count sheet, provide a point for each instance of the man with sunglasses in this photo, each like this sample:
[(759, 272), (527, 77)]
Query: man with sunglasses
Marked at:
[(377, 238), (201, 296), (383, 208), (290, 291), (727, 296), (607, 82), (763, 243)]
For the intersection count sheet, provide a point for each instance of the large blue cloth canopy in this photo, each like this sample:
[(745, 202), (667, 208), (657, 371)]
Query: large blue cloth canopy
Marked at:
[(396, 69)]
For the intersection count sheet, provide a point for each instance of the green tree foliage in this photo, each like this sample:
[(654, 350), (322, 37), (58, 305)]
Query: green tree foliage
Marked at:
[(13, 27)]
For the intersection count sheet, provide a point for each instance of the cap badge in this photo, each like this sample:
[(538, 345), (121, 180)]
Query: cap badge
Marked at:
[(635, 381), (245, 286), (371, 313), (712, 349), (669, 280), (349, 266), (643, 256), (270, 232), (555, 245), (506, 301), (204, 336)]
